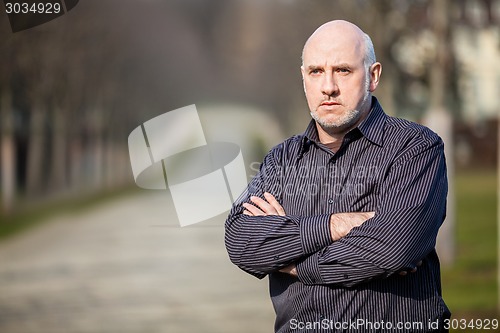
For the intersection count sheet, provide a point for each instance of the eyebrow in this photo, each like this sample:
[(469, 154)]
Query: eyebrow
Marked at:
[(342, 65), (312, 67)]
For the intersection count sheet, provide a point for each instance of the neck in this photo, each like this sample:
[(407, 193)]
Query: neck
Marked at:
[(327, 136)]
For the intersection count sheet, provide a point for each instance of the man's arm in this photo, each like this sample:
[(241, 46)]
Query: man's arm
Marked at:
[(261, 243), (411, 209), (340, 224)]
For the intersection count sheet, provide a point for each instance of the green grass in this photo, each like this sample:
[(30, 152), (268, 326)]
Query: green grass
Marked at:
[(470, 284)]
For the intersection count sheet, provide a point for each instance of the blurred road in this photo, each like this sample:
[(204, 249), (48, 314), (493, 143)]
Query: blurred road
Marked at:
[(125, 267)]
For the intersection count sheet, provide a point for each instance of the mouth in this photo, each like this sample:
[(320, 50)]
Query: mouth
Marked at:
[(329, 103)]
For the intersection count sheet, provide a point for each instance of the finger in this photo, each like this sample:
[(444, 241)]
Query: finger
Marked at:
[(403, 273), (264, 206), (273, 202), (290, 269), (419, 263), (254, 210), (413, 270), (246, 212)]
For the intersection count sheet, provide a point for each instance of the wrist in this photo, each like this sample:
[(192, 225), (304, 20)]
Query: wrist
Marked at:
[(336, 227)]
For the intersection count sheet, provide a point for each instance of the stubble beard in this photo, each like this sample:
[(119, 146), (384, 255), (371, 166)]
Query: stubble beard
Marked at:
[(341, 123), (346, 121)]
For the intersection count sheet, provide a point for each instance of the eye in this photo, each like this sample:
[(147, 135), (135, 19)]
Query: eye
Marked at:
[(344, 70), (315, 71)]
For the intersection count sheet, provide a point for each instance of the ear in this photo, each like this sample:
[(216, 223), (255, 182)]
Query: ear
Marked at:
[(303, 72), (375, 73)]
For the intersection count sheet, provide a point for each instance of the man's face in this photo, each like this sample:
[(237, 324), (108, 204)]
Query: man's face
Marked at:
[(336, 83)]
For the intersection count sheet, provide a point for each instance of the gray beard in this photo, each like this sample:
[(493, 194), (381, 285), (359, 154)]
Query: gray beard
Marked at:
[(342, 123), (346, 121)]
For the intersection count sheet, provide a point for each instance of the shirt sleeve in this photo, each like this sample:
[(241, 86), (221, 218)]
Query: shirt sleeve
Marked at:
[(263, 244), (411, 208)]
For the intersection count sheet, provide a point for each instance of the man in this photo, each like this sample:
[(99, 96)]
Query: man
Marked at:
[(337, 216)]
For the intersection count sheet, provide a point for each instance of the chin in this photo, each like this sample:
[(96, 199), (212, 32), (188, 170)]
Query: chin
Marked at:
[(336, 123), (333, 126), (329, 123)]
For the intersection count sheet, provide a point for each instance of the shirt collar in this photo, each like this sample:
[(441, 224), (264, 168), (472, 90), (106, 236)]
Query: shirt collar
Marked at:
[(309, 137), (372, 128)]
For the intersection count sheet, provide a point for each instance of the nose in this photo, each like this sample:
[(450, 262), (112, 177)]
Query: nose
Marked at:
[(329, 85)]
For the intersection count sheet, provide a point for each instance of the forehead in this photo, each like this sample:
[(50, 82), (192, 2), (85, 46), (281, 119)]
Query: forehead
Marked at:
[(334, 48)]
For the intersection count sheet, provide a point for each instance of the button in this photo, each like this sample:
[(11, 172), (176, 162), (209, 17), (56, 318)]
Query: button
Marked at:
[(346, 276), (330, 201), (276, 257)]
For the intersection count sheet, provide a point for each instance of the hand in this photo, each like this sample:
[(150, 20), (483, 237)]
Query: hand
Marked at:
[(262, 207), (342, 223), (413, 270), (291, 269)]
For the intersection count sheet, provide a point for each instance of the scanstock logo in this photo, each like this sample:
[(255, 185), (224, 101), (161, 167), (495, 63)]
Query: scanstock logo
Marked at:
[(27, 14), (171, 152)]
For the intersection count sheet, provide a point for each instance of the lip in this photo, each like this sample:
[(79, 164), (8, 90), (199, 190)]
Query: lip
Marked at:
[(329, 103)]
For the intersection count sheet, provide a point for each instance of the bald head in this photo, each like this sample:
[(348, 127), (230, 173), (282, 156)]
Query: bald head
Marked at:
[(347, 34), (339, 74)]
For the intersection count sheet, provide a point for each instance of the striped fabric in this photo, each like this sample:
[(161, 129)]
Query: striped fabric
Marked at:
[(388, 165)]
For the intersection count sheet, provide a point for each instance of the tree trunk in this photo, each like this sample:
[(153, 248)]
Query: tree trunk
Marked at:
[(112, 164), (439, 119), (97, 153), (58, 173), (35, 166), (76, 163), (8, 152)]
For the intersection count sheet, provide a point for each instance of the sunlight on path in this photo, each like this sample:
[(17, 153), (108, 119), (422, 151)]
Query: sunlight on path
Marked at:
[(125, 267)]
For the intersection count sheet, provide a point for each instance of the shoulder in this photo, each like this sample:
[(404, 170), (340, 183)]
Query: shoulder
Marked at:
[(286, 150), (406, 140), (402, 132)]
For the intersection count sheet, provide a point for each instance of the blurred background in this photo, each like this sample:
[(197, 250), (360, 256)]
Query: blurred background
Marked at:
[(83, 250)]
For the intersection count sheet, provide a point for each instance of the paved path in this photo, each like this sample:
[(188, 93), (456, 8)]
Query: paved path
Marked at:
[(125, 267)]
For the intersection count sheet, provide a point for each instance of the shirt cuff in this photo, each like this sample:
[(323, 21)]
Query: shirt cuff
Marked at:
[(308, 270), (315, 233)]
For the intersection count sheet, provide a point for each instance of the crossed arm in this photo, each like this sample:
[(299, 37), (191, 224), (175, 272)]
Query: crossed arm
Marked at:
[(347, 248), (340, 223)]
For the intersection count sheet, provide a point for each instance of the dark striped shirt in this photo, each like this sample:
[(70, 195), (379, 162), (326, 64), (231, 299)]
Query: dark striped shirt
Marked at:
[(388, 165)]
